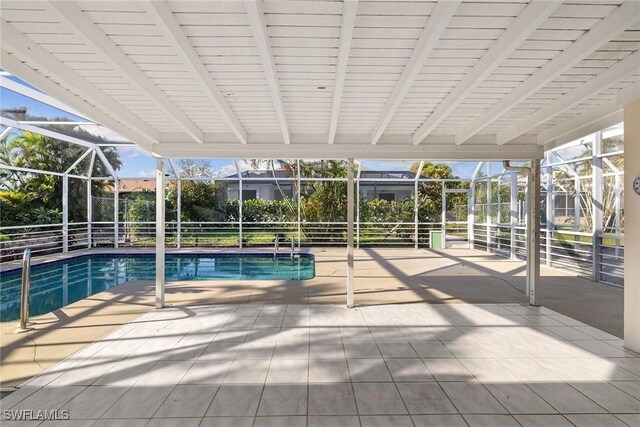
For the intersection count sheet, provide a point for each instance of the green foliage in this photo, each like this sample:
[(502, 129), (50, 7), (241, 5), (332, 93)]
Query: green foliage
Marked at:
[(257, 210), (201, 201), (30, 198)]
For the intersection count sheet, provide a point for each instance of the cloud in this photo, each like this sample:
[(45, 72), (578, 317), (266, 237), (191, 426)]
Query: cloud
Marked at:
[(230, 169), (101, 131), (147, 173)]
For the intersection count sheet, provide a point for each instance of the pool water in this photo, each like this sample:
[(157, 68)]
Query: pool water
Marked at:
[(59, 283)]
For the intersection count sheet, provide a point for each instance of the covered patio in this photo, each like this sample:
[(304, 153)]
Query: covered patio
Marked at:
[(442, 292)]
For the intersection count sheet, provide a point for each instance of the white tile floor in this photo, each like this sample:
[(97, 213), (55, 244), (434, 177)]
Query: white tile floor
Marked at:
[(324, 365)]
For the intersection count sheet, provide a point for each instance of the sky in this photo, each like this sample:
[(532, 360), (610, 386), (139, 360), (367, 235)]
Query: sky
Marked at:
[(137, 163)]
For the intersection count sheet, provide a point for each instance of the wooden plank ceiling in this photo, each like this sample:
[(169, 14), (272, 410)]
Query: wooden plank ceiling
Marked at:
[(369, 79)]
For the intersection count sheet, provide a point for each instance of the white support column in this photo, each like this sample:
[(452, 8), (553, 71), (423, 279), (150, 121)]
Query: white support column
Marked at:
[(90, 202), (240, 203), (533, 233), (550, 211), (160, 237), (350, 233), (116, 201), (488, 210), (513, 218), (358, 213), (632, 226), (299, 204), (596, 201), (65, 213), (179, 213), (416, 219), (618, 210), (471, 216), (89, 214), (443, 216), (576, 205), (416, 204)]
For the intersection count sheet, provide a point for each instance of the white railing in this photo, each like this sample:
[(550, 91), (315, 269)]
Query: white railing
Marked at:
[(563, 249)]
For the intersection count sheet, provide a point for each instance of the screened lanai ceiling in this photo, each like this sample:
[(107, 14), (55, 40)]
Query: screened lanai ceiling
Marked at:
[(332, 79)]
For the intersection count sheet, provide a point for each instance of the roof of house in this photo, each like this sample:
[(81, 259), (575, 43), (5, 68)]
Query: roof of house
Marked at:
[(136, 185)]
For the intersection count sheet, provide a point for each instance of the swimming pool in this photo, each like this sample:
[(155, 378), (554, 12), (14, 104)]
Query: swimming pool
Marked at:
[(59, 283)]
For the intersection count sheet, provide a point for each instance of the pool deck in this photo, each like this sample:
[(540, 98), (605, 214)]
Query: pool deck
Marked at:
[(325, 365), (383, 276)]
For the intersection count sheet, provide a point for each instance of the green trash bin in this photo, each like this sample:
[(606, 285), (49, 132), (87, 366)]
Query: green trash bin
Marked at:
[(435, 239)]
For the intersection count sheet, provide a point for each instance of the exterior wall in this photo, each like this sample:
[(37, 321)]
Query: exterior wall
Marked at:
[(632, 226)]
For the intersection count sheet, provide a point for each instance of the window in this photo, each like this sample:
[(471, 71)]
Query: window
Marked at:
[(249, 195), (389, 197)]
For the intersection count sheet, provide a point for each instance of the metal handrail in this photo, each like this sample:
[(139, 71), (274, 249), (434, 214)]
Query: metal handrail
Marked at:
[(276, 245), (292, 247), (25, 291)]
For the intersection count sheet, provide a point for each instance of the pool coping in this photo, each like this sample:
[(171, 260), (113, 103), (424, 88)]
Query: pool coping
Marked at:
[(43, 263), (44, 259)]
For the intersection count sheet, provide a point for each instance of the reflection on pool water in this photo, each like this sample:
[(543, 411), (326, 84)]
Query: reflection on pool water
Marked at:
[(56, 284)]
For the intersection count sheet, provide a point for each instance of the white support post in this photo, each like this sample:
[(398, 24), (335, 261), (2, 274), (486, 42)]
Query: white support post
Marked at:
[(596, 201), (65, 213), (160, 237), (299, 204), (358, 214), (471, 215), (443, 216), (618, 210), (576, 204), (416, 205), (179, 213), (513, 219), (488, 210), (90, 202), (533, 233), (416, 219), (350, 260), (116, 201), (240, 202), (550, 211)]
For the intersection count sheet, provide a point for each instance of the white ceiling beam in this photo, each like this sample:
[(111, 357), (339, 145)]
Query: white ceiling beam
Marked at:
[(518, 31), (102, 109), (255, 13), (436, 24), (623, 69), (432, 152), (165, 21), (349, 10), (599, 118), (73, 17), (619, 20)]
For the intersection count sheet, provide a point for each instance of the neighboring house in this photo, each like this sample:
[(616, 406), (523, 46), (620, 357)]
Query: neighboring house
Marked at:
[(276, 189), (371, 188), (262, 190), (132, 187)]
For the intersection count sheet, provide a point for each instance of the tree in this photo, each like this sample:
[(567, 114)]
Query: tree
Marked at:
[(39, 190), (430, 193), (202, 201)]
